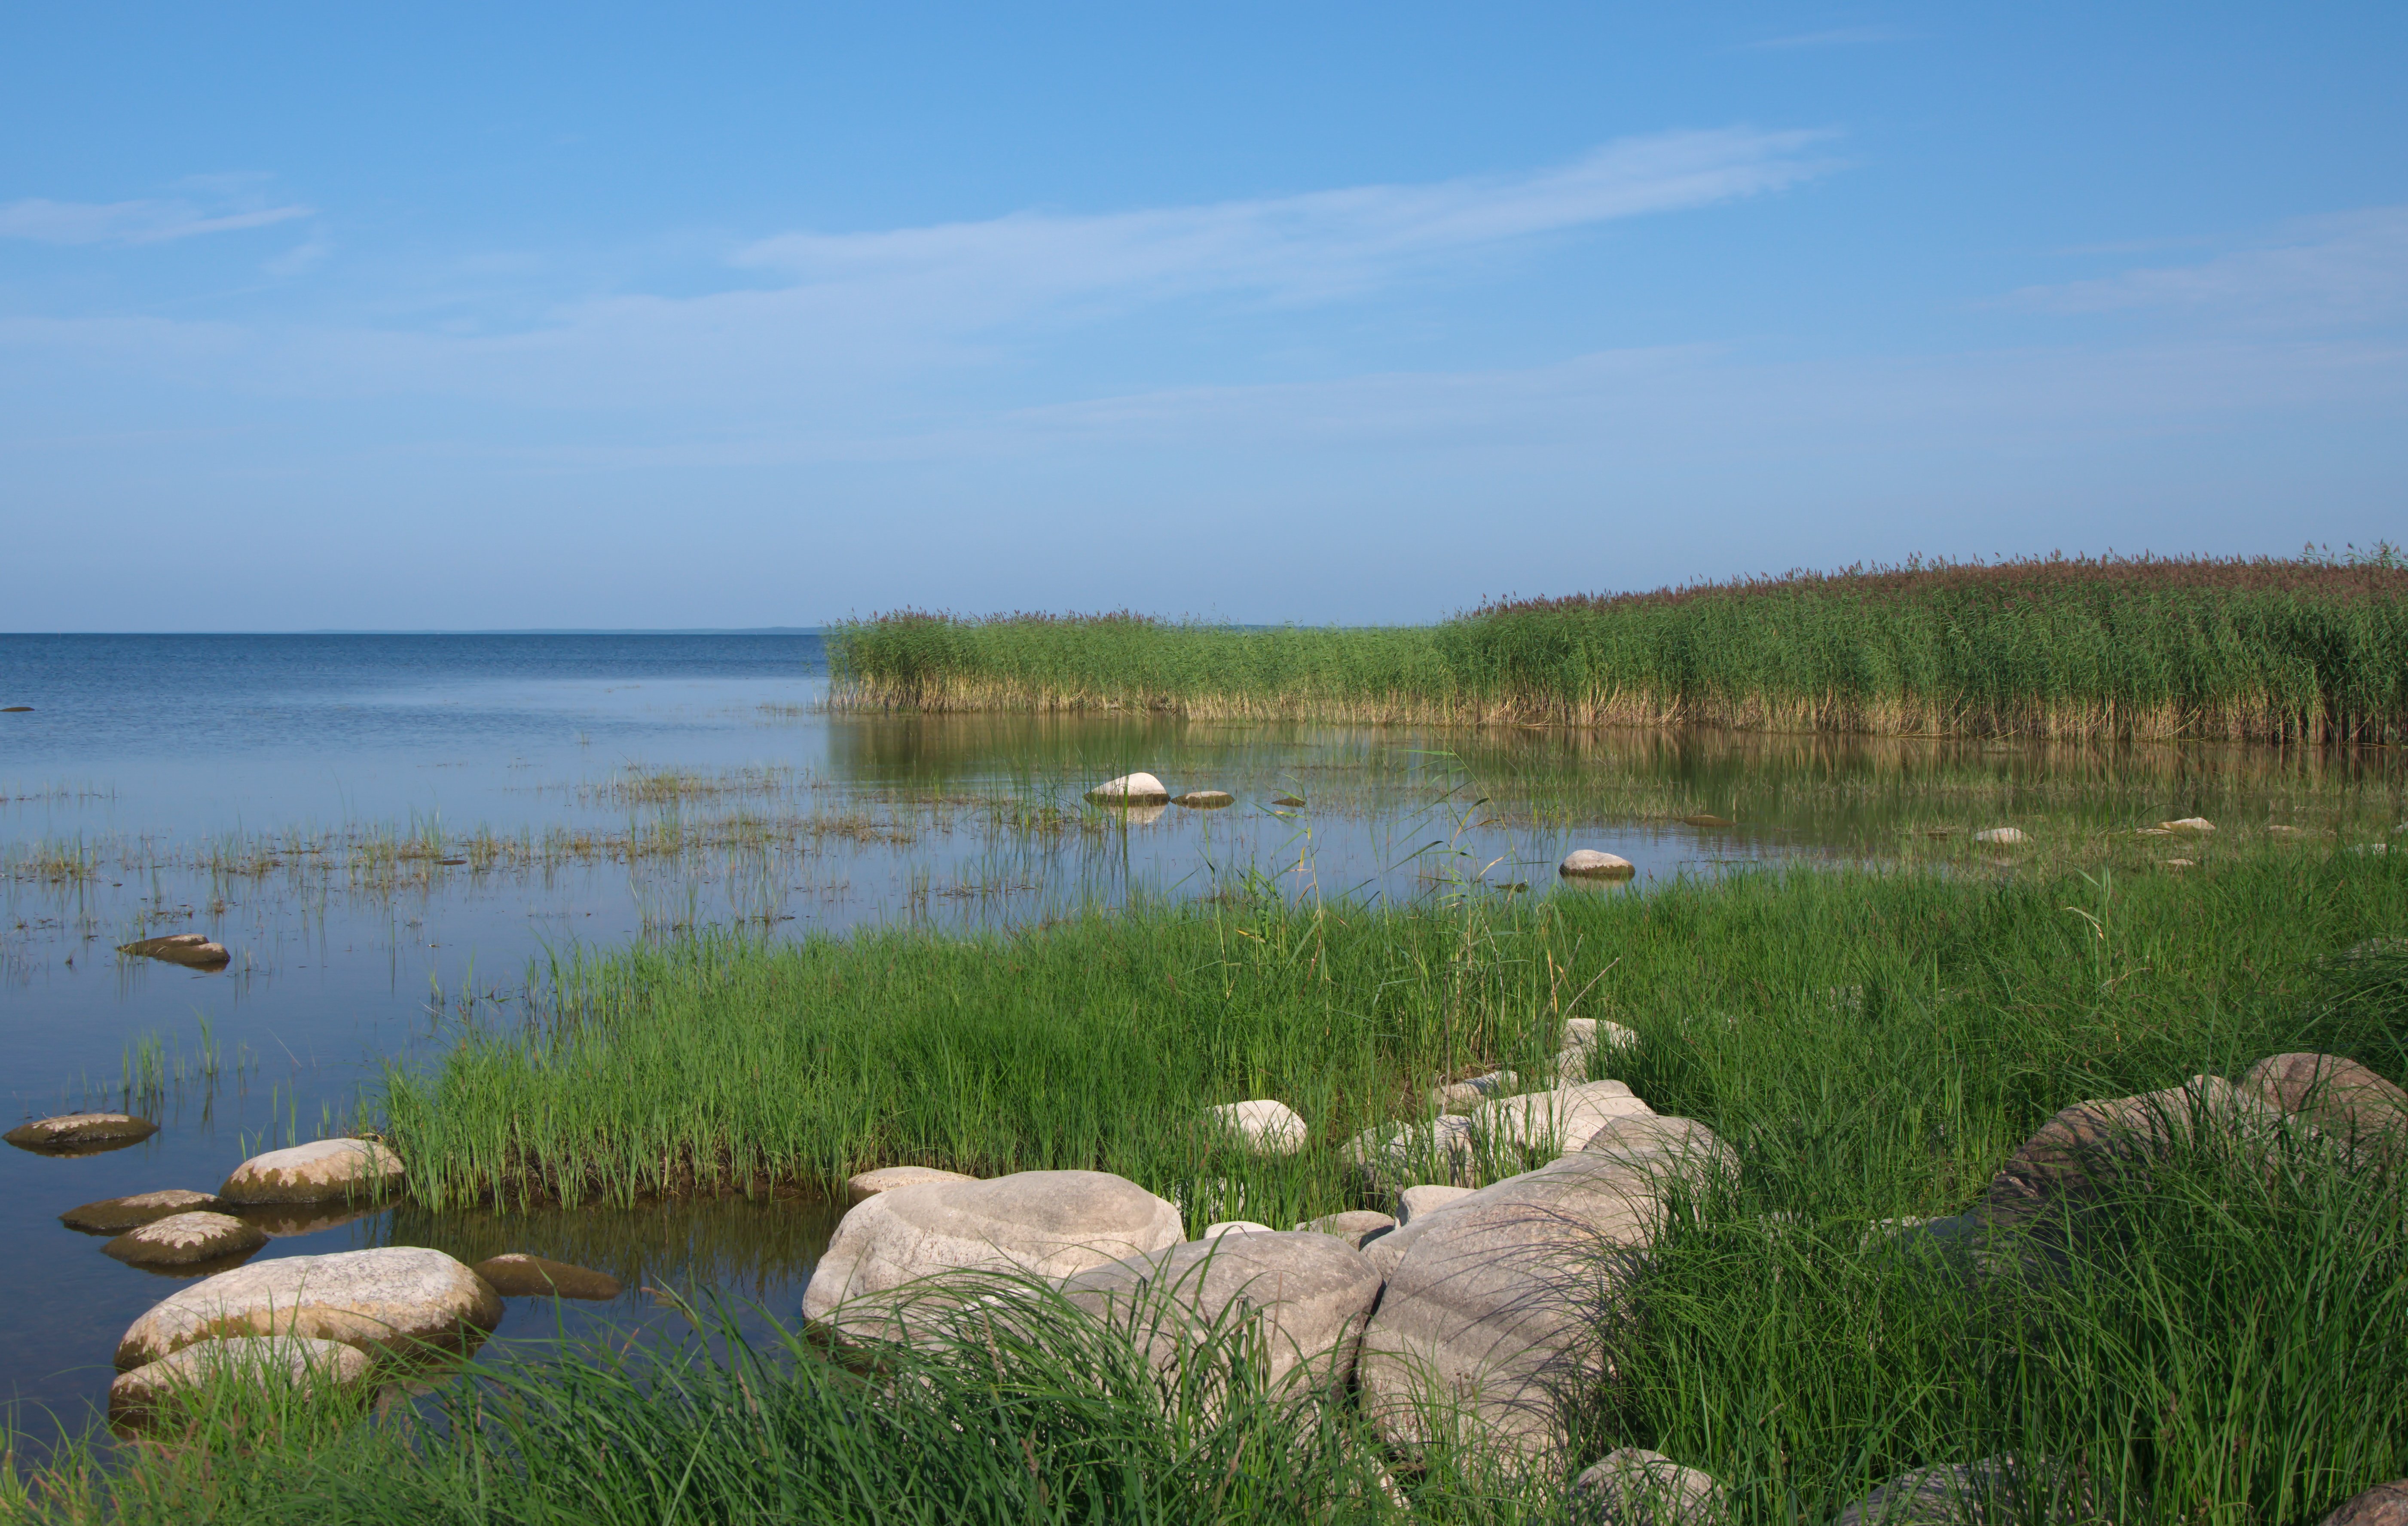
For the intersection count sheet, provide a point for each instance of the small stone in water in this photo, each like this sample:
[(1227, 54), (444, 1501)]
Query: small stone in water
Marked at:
[(116, 1215), (182, 1239), (519, 1275), (1287, 800), (1601, 866), (1704, 820), (81, 1131), (1205, 800)]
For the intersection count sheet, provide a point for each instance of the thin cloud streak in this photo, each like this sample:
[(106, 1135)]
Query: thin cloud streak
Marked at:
[(2350, 269), (45, 221)]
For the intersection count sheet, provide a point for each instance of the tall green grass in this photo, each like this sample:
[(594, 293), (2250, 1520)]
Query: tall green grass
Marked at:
[(2145, 648)]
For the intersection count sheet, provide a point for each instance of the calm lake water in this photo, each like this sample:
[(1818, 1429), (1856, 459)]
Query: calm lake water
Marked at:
[(383, 830)]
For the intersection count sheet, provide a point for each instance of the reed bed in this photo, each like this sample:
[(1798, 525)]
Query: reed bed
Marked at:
[(2062, 648)]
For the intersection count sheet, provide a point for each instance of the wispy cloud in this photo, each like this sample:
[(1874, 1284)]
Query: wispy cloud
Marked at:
[(1837, 37), (46, 222), (2347, 269)]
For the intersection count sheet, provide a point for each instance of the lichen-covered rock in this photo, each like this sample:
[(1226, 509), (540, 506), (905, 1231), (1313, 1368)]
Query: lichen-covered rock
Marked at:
[(868, 1184), (318, 1171), (116, 1215), (1264, 1126), (263, 1361), (1131, 790), (1634, 1487), (185, 1238), (398, 1298), (1311, 1292), (1594, 863), (80, 1132), (518, 1274), (1048, 1223)]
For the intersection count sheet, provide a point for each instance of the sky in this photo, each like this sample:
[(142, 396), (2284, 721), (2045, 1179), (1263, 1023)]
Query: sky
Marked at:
[(452, 316)]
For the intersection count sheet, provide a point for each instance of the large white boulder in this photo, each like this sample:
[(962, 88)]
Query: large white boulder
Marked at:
[(1414, 1202), (1496, 1301), (868, 1184), (1264, 1126), (1046, 1223), (1553, 1121), (1131, 790), (317, 1172), (1312, 1291), (398, 1298), (1594, 863), (266, 1362), (1670, 1147)]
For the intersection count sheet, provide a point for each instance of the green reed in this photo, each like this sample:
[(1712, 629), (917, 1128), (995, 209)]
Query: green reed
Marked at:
[(2205, 648)]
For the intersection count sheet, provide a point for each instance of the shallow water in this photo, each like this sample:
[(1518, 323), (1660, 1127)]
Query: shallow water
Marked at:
[(384, 831)]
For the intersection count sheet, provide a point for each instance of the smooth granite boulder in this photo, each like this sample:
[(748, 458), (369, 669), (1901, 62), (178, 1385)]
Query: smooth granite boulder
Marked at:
[(398, 1298), (518, 1274), (318, 1171), (116, 1215), (1553, 1121), (1593, 863), (1047, 1223), (2078, 1153), (1682, 1147), (76, 1131), (1355, 1226), (1634, 1487), (263, 1361), (1205, 800), (1498, 1302), (2340, 1097), (1428, 1197), (1131, 790), (1232, 1226), (1264, 1126), (1313, 1292), (184, 1238), (2384, 1504), (868, 1184)]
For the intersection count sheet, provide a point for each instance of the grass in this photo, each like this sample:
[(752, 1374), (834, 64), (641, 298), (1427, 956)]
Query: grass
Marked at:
[(2310, 650)]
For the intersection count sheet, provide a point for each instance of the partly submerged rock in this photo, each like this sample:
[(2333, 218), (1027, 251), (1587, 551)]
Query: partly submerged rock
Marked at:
[(116, 1215), (1049, 1223), (1290, 801), (80, 1132), (1264, 1126), (1705, 818), (1355, 1226), (868, 1184), (317, 1172), (1594, 863), (519, 1275), (398, 1298), (184, 1238), (2384, 1504), (1205, 800), (1131, 790), (2002, 836), (1311, 1292), (179, 949), (265, 1362), (1634, 1487)]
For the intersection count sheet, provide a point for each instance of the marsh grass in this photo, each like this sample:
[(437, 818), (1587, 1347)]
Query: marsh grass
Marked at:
[(2303, 651)]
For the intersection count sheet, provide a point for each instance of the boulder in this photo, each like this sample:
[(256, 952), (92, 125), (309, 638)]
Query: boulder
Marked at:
[(398, 1299), (1635, 1487), (1386, 1157), (81, 1132), (519, 1275), (179, 949), (1591, 863), (1496, 1304), (2189, 823), (1311, 1292), (1995, 1491), (1234, 1226), (1048, 1223), (2384, 1504), (1588, 1032), (318, 1171), (2002, 836), (2340, 1097), (263, 1361), (1131, 790), (1457, 1096), (1287, 800), (1681, 1147), (2078, 1151), (1205, 800), (1263, 1126), (184, 1238), (1413, 1201), (868, 1184), (116, 1215), (1553, 1121), (1355, 1226)]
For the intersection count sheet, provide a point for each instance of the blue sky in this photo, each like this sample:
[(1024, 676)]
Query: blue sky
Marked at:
[(477, 317)]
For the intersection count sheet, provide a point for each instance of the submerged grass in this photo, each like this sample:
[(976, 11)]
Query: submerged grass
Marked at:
[(2148, 647)]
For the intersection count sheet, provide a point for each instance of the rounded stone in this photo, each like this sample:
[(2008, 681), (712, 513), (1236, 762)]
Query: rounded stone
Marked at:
[(868, 1184), (1205, 800), (2189, 823), (1592, 864), (1311, 1292), (1634, 1487), (519, 1275), (1355, 1226), (2384, 1504), (1264, 1126), (1235, 1226), (2338, 1095), (399, 1298), (116, 1215), (183, 1238), (2005, 835), (260, 1362), (1131, 790), (1290, 801), (179, 949), (1427, 1198), (81, 1131), (314, 1173)]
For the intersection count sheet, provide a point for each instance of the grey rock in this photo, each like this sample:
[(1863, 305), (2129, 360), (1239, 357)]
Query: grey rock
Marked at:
[(1589, 862), (184, 1238), (81, 1131), (1354, 1226), (2080, 1151), (1205, 800), (1388, 1156), (265, 1362), (1131, 790), (1995, 1491), (1311, 1292), (1047, 1223), (1233, 1226), (1264, 1126), (1551, 1122), (2340, 1097), (868, 1184), (116, 1215), (2384, 1504), (319, 1172), (1415, 1202), (397, 1298), (1679, 1146), (1634, 1487), (1496, 1304), (1460, 1096)]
